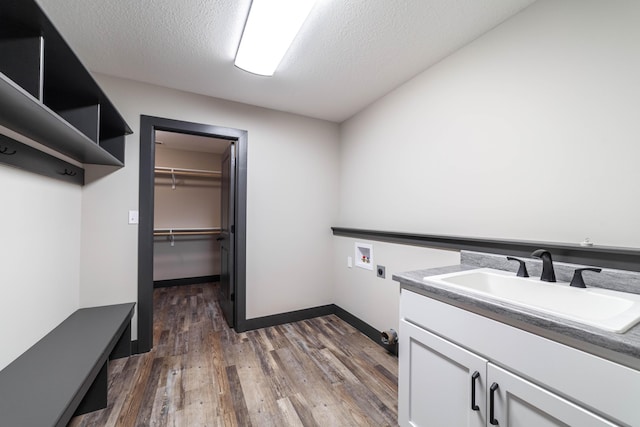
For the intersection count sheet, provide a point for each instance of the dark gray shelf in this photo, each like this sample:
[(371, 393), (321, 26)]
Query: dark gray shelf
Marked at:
[(47, 94), (22, 113)]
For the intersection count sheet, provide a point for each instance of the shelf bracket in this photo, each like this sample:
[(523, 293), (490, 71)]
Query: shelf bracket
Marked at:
[(173, 183)]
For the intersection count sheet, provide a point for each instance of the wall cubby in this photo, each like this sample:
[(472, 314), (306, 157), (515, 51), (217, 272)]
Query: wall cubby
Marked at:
[(22, 62), (47, 95)]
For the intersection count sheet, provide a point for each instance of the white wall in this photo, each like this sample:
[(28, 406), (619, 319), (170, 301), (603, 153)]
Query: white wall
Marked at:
[(39, 257), (292, 190), (372, 299), (529, 133)]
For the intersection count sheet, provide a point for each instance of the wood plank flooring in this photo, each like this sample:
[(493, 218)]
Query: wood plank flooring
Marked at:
[(318, 372)]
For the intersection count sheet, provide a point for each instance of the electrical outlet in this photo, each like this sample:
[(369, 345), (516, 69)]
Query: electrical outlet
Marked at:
[(381, 271), (133, 217)]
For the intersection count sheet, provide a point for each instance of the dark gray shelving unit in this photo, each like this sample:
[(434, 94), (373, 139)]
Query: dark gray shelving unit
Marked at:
[(47, 95)]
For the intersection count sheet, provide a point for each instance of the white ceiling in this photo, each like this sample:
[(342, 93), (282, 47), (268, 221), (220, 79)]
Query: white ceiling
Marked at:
[(348, 54)]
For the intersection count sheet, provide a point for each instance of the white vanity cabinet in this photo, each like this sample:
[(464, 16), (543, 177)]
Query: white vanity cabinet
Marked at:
[(440, 383), (449, 359), (518, 402)]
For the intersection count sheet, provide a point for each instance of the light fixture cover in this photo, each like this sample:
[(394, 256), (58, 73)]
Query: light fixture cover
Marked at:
[(270, 28)]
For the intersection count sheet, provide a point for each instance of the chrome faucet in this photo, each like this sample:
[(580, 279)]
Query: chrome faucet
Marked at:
[(548, 275)]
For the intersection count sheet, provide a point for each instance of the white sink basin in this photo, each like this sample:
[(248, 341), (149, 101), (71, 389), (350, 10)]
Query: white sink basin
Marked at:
[(605, 309)]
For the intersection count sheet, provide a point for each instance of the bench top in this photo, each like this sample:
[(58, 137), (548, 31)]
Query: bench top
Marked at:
[(38, 387)]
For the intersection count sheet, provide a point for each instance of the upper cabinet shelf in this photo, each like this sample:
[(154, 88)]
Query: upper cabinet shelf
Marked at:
[(25, 115), (47, 95)]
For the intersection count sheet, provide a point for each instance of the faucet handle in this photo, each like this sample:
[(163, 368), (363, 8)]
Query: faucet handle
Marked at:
[(577, 281), (522, 270)]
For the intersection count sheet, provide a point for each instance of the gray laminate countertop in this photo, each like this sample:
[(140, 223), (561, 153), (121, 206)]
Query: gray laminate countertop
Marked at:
[(620, 348)]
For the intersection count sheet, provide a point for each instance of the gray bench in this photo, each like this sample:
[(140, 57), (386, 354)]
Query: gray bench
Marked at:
[(65, 373)]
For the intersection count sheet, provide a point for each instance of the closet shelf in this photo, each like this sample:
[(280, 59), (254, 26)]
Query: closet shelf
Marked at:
[(186, 231), (172, 233), (173, 172), (160, 170)]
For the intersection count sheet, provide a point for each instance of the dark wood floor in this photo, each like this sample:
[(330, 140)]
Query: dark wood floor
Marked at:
[(319, 372)]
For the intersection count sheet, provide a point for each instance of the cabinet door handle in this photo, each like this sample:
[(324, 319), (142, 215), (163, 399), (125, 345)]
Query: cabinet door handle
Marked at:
[(492, 392), (474, 377)]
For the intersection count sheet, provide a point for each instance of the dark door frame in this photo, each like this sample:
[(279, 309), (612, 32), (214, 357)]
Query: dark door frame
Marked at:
[(148, 126)]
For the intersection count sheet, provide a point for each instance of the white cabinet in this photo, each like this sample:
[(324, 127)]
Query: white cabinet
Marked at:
[(442, 383), (520, 403), (437, 382)]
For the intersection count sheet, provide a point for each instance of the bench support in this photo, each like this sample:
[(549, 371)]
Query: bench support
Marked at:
[(96, 397), (123, 346)]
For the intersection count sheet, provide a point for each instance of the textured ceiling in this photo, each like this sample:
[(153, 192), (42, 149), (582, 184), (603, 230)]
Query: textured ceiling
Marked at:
[(348, 54)]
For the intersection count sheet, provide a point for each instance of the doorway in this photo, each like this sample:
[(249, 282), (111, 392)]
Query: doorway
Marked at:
[(233, 228), (187, 208)]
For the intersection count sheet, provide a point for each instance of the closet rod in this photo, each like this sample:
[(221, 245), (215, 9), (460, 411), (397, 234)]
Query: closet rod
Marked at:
[(187, 172), (172, 233), (186, 231)]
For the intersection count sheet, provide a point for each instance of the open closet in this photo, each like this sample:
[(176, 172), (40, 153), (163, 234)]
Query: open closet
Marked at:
[(187, 208)]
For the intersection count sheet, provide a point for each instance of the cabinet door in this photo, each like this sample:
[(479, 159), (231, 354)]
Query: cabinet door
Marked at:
[(436, 381), (519, 403)]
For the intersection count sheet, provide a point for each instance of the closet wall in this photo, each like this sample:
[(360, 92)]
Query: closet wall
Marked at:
[(184, 201)]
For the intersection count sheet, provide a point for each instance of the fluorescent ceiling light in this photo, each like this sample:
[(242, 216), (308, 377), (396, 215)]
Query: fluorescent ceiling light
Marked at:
[(271, 27)]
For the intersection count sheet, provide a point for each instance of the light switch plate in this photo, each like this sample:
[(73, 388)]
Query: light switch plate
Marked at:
[(349, 262), (133, 217)]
